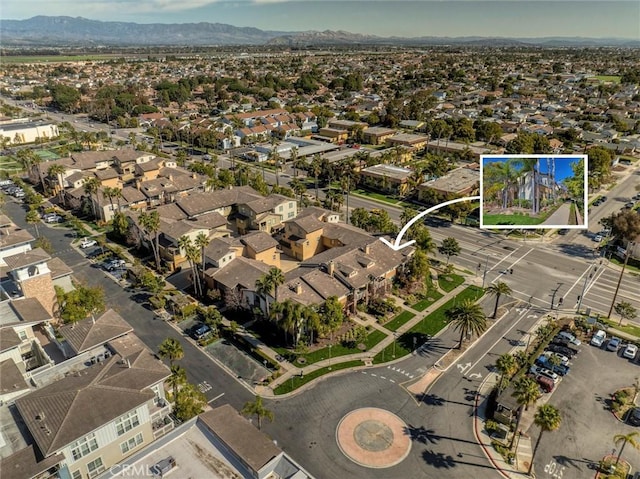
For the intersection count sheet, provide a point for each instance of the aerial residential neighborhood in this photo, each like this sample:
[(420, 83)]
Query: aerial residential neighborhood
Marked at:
[(287, 251)]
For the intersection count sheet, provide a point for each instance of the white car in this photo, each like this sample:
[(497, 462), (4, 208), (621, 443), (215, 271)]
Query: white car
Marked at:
[(563, 359), (569, 337), (538, 371), (88, 243), (598, 338), (598, 238), (52, 218), (630, 351)]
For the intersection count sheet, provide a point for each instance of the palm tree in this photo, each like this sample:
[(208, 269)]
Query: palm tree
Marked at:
[(192, 254), (110, 193), (507, 365), (256, 408), (316, 169), (526, 392), (298, 186), (547, 418), (468, 318), (178, 378), (91, 187), (498, 289), (624, 439), (56, 171), (150, 222), (202, 241), (33, 218), (407, 215), (171, 349), (263, 289), (276, 279)]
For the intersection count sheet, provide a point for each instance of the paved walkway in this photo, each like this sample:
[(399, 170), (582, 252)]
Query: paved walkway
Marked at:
[(559, 217)]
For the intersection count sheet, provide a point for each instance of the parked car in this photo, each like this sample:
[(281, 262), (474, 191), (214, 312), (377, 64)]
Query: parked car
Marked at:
[(200, 331), (563, 359), (540, 371), (545, 383), (630, 351), (561, 369), (613, 344), (162, 467), (563, 231), (87, 243), (114, 264), (556, 348), (597, 238), (598, 338), (634, 417), (569, 337), (53, 218), (566, 344), (628, 205)]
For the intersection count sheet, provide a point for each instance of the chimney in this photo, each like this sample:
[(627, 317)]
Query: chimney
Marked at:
[(367, 249), (170, 176), (330, 268), (128, 364), (93, 319), (298, 288), (138, 184)]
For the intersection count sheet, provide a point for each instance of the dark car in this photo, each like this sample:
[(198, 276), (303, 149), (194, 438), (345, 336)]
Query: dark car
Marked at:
[(560, 350), (634, 417), (563, 231), (566, 344), (200, 331)]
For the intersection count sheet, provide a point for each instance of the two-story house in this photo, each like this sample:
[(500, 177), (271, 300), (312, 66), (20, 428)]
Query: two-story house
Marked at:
[(265, 214)]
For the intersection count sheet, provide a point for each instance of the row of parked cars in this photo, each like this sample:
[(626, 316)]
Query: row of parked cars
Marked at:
[(10, 188), (554, 362), (614, 344)]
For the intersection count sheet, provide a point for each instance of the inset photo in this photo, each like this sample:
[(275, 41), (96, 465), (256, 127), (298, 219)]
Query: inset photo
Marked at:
[(533, 191)]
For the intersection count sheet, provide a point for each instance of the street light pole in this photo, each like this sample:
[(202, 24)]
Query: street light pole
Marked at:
[(584, 286), (330, 357), (624, 266), (484, 275)]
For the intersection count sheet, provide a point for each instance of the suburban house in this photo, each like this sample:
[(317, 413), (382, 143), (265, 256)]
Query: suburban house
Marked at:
[(455, 184), (13, 240), (84, 440), (377, 135), (388, 179), (265, 213)]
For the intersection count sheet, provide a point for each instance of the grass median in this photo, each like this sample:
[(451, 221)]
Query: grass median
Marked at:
[(295, 382)]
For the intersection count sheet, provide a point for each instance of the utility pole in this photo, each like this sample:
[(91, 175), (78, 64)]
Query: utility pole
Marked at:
[(626, 260), (584, 287), (484, 275)]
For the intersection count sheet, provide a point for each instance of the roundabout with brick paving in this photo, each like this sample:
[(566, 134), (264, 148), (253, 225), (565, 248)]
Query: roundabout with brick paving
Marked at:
[(373, 437)]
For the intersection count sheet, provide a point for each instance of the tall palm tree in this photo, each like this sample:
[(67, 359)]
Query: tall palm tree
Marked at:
[(110, 193), (263, 289), (192, 254), (526, 392), (498, 289), (178, 378), (150, 222), (91, 187), (171, 349), (468, 318), (202, 241), (276, 278), (507, 366), (256, 408), (316, 169), (33, 218), (547, 418), (56, 171), (624, 439), (298, 186)]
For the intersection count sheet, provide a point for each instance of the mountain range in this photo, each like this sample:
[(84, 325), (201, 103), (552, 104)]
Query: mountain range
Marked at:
[(49, 31)]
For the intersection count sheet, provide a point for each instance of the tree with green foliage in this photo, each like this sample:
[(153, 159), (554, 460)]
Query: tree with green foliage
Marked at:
[(626, 311), (33, 218), (80, 302), (177, 379), (44, 243), (171, 349), (91, 186), (64, 97), (56, 172), (418, 267), (276, 279), (507, 366), (189, 403), (257, 408), (120, 225), (498, 289), (468, 318), (548, 419), (526, 392), (150, 222), (621, 440), (332, 314), (449, 248)]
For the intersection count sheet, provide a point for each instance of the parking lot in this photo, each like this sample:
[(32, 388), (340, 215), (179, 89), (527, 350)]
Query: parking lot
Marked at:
[(588, 426), (240, 363)]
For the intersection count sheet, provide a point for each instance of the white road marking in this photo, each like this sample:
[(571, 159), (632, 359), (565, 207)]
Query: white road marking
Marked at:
[(217, 397)]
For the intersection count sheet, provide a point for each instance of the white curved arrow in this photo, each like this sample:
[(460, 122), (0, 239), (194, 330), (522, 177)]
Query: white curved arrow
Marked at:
[(396, 244)]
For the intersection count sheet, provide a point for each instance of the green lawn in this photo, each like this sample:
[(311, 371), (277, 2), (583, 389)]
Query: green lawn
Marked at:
[(629, 328), (375, 196), (432, 297), (608, 78), (449, 282), (514, 220), (296, 381), (337, 350), (399, 320), (426, 328), (9, 164)]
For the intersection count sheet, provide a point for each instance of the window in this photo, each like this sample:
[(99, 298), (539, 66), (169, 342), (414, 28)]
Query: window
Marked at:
[(22, 335), (280, 208), (127, 423), (84, 446), (77, 474), (95, 467), (290, 204), (131, 443), (291, 215)]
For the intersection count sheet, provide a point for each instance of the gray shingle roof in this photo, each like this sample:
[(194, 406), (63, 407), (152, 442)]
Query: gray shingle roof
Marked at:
[(87, 334), (27, 258)]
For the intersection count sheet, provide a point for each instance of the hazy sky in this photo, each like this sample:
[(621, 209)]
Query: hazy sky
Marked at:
[(502, 18)]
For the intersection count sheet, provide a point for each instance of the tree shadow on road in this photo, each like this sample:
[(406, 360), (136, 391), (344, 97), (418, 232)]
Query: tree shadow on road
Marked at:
[(421, 434), (442, 461), (581, 251)]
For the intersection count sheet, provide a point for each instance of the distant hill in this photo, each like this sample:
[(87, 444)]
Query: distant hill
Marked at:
[(43, 30), (60, 31)]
